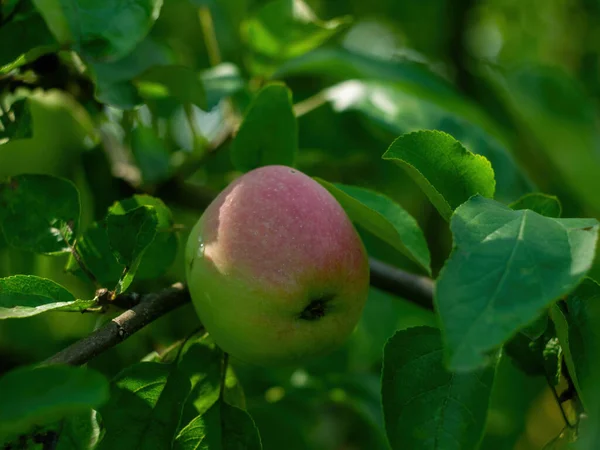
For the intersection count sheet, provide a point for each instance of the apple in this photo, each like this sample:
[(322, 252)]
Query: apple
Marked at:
[(276, 271)]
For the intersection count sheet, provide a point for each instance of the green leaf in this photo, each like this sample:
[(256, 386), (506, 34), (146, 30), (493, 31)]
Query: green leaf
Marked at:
[(579, 332), (100, 29), (129, 414), (17, 124), (80, 432), (171, 81), (149, 400), (39, 213), (239, 430), (514, 396), (201, 361), (558, 112), (285, 29), (28, 35), (506, 267), (577, 322), (446, 171), (37, 396), (234, 393), (269, 133), (28, 295), (405, 106), (8, 7), (151, 154), (221, 81), (340, 63), (161, 253), (95, 252), (129, 235), (546, 205), (222, 427), (384, 218), (538, 327), (425, 405), (115, 79), (382, 316), (193, 436)]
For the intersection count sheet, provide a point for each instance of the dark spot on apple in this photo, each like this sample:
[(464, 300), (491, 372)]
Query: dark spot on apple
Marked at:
[(316, 308), (292, 171)]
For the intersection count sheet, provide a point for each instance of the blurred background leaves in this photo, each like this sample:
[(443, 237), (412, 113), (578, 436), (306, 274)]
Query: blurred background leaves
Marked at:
[(144, 112)]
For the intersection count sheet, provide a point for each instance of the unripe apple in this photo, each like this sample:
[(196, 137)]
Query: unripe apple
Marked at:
[(276, 271)]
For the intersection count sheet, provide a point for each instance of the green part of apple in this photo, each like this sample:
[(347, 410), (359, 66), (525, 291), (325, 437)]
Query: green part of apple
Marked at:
[(276, 270)]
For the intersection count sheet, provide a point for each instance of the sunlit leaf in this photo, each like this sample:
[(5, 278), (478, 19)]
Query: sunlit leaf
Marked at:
[(446, 171), (28, 295), (546, 205), (284, 29), (222, 427), (150, 401)]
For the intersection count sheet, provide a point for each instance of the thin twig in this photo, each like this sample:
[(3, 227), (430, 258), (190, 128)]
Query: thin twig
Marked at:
[(151, 307), (82, 266), (210, 36), (78, 259), (310, 104), (559, 403)]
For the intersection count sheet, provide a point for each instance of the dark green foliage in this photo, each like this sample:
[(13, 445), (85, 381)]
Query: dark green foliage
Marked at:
[(461, 139)]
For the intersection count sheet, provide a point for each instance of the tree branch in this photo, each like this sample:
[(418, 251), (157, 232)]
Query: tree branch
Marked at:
[(151, 307), (414, 288)]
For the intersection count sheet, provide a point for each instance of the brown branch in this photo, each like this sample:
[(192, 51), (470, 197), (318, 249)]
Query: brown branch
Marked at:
[(414, 288), (151, 307)]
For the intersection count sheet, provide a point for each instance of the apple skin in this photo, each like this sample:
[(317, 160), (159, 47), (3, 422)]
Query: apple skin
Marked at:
[(276, 271)]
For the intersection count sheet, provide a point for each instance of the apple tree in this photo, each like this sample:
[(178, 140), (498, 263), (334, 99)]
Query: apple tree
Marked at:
[(299, 224)]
